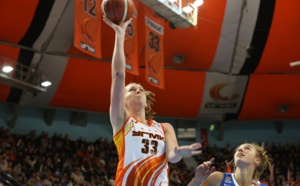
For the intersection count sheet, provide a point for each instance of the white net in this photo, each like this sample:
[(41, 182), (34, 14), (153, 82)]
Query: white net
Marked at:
[(181, 13)]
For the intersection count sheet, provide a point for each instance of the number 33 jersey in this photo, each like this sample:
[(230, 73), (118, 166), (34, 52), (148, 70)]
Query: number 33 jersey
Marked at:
[(142, 154)]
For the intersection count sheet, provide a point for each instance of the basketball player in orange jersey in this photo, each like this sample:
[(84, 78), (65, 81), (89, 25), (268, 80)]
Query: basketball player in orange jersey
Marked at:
[(250, 161), (144, 146)]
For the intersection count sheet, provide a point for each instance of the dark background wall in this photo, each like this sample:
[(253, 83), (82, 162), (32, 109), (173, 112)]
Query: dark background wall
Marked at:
[(91, 126)]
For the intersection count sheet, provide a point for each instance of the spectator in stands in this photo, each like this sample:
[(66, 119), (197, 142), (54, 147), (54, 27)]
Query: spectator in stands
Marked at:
[(64, 161), (3, 163)]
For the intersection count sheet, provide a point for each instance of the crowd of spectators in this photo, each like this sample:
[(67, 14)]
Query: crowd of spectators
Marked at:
[(42, 160)]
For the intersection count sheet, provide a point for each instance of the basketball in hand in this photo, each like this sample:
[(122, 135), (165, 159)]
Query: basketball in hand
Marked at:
[(118, 10)]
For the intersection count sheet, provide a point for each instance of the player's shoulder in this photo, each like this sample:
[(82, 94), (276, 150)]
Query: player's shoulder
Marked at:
[(160, 125), (167, 124), (214, 178), (217, 175)]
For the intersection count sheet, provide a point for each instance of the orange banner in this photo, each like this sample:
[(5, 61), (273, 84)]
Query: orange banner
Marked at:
[(87, 33), (154, 49), (130, 45)]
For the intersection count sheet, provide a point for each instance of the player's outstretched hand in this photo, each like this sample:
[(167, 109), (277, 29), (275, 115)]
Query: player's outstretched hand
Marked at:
[(189, 150), (121, 27), (204, 170)]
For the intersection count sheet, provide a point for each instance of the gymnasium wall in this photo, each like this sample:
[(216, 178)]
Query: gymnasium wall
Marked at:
[(98, 125)]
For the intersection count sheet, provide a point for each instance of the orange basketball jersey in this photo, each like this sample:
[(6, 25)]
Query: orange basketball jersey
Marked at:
[(142, 154)]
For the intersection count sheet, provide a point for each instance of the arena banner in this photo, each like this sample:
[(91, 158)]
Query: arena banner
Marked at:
[(87, 30), (223, 93), (154, 49), (131, 45)]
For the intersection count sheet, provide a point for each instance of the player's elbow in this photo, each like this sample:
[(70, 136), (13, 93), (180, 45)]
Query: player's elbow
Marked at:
[(174, 161), (172, 158), (117, 74)]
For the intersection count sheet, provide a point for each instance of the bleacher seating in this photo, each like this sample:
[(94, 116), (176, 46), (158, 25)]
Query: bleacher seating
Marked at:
[(40, 159)]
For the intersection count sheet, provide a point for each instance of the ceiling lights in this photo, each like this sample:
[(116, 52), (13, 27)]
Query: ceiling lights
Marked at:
[(7, 69), (26, 78), (191, 6), (198, 3), (296, 63), (46, 83)]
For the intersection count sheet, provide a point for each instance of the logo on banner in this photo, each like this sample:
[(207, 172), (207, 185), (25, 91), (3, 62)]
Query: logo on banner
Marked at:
[(223, 93), (86, 28), (215, 93), (221, 99)]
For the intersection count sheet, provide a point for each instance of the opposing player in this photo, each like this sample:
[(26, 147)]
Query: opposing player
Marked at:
[(250, 161)]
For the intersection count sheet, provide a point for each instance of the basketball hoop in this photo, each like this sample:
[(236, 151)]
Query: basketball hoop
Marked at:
[(178, 12)]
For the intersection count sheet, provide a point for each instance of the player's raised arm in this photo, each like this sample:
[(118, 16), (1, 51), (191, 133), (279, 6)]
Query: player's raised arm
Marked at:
[(117, 105)]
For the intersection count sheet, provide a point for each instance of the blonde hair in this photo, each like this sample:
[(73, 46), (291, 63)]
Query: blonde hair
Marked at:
[(265, 161)]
